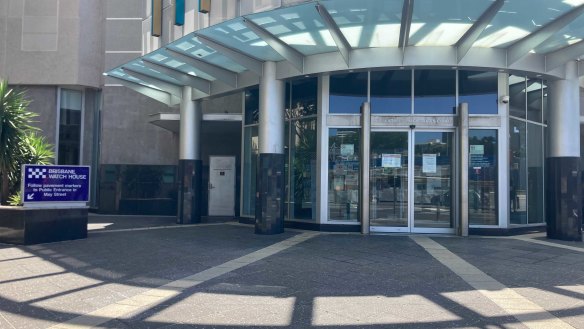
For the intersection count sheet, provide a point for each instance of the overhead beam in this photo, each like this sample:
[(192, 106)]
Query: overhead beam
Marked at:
[(238, 57), (292, 55), (406, 24), (342, 44), (522, 47), (155, 94), (170, 88), (471, 36), (219, 73), (186, 79), (562, 56)]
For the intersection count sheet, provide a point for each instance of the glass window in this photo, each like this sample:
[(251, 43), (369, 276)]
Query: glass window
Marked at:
[(70, 127), (343, 174), (302, 178), (482, 177), (252, 106), (518, 172), (391, 92), (250, 164), (535, 174), (479, 90), (347, 92), (517, 96), (434, 91), (304, 97), (534, 100)]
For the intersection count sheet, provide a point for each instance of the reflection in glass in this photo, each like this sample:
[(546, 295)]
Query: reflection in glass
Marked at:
[(517, 96), (252, 106), (534, 100), (535, 174), (347, 92), (389, 179), (433, 179), (343, 174), (70, 127), (302, 162), (482, 177), (479, 90), (434, 91), (304, 96), (518, 172), (250, 161), (391, 92)]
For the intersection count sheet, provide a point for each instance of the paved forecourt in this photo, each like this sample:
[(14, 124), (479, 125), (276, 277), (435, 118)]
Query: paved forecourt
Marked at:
[(224, 276)]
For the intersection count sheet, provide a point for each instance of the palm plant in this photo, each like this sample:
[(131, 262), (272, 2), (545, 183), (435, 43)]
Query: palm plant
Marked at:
[(14, 126)]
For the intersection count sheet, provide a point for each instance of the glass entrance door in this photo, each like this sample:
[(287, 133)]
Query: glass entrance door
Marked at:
[(411, 180)]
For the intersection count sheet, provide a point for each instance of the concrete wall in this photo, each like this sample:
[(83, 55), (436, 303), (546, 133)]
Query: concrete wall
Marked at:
[(44, 102), (48, 42)]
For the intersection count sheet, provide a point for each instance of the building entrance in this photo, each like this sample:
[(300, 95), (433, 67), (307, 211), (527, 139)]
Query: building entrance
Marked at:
[(411, 181)]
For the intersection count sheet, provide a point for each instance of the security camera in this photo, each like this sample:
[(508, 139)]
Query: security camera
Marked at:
[(505, 99)]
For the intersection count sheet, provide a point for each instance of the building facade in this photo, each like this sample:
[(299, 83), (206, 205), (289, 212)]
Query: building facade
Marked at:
[(372, 116)]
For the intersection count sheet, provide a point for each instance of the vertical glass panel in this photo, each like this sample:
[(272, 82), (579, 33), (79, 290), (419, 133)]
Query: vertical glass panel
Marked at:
[(444, 22), (304, 95), (250, 164), (70, 127), (482, 177), (534, 100), (535, 174), (252, 106), (518, 172), (517, 96), (434, 91), (389, 179), (479, 90), (391, 92), (302, 185), (433, 179), (343, 174), (347, 92)]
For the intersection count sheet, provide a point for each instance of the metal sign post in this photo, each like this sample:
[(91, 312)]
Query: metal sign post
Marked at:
[(463, 176), (364, 165)]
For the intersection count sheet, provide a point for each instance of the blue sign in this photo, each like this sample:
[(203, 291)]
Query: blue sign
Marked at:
[(55, 183)]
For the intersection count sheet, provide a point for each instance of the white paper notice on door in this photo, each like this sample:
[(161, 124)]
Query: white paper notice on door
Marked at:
[(391, 160), (429, 163)]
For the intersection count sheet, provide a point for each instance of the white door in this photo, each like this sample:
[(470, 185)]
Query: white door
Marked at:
[(221, 186)]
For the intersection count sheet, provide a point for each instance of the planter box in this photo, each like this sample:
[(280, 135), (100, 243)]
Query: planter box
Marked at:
[(19, 225)]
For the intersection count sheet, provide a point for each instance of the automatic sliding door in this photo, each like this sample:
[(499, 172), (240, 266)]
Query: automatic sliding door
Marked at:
[(433, 180), (388, 210)]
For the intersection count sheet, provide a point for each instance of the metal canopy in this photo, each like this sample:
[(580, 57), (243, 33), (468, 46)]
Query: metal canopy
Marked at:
[(535, 36)]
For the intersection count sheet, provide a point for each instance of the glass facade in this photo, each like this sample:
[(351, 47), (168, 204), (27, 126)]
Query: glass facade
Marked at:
[(70, 126), (391, 92), (434, 91), (250, 164), (479, 90), (482, 177), (343, 174), (347, 92)]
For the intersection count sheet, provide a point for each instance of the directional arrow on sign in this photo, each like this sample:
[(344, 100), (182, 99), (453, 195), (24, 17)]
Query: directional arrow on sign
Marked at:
[(30, 196)]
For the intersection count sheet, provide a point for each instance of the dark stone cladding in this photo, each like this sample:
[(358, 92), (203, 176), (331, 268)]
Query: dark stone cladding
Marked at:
[(270, 185), (564, 198), (496, 231), (190, 175), (19, 225)]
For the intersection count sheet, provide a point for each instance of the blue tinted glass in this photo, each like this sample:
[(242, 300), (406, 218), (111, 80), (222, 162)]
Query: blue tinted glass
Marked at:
[(479, 90), (252, 106), (347, 92), (391, 92), (434, 92)]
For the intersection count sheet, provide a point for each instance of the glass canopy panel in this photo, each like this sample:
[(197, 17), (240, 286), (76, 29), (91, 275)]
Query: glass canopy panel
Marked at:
[(301, 27), (518, 18), (368, 23), (138, 66), (443, 23), (195, 48), (162, 57), (236, 35), (569, 35), (119, 73)]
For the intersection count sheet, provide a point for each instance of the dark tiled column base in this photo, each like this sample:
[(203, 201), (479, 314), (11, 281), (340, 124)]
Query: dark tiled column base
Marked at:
[(270, 194), (564, 199), (189, 191)]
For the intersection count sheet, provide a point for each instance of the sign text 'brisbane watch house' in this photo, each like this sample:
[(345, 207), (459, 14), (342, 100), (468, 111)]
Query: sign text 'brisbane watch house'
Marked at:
[(49, 184)]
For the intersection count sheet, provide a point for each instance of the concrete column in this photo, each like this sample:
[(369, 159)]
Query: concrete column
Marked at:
[(463, 172), (564, 198), (270, 184), (190, 164)]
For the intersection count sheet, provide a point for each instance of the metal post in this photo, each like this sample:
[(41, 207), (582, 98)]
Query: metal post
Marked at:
[(364, 157), (191, 114), (463, 176)]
